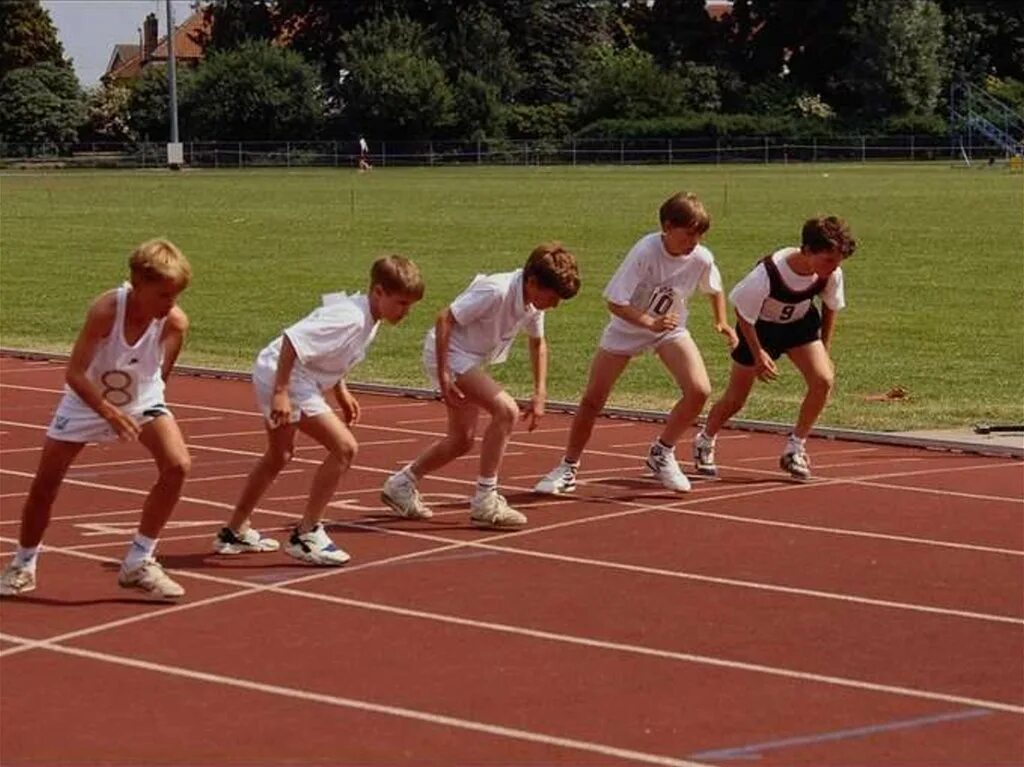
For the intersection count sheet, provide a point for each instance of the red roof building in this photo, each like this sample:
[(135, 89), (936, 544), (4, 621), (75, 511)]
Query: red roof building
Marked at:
[(127, 61)]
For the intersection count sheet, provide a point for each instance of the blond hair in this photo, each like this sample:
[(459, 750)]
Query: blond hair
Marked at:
[(686, 211), (397, 274), (158, 259), (554, 268)]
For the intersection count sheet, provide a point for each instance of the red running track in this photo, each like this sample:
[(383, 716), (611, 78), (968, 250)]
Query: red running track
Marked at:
[(872, 616)]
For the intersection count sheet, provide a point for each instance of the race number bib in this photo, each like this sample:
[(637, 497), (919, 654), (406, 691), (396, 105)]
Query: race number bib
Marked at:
[(118, 387), (663, 300)]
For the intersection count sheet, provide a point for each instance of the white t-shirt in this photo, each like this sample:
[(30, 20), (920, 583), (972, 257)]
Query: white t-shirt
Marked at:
[(328, 342), (489, 315), (655, 282), (753, 301), (363, 147)]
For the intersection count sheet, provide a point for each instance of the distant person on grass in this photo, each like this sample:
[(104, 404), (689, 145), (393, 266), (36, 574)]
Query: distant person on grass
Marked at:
[(115, 390), (648, 299), (776, 315), (476, 330), (364, 156), (290, 377)]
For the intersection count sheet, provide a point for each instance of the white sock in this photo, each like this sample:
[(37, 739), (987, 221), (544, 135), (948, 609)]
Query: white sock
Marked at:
[(26, 558), (141, 548), (658, 447), (794, 444), (486, 485), (572, 464), (702, 436)]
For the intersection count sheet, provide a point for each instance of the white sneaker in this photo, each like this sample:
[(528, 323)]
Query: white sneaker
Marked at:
[(315, 547), (17, 580), (560, 480), (400, 493), (150, 578), (666, 469), (230, 542), (704, 456), (797, 463), (493, 511)]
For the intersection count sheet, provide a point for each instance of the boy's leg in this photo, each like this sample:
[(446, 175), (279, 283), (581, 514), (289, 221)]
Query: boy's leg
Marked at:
[(683, 360), (605, 370), (813, 361), (400, 491), (309, 541), (19, 577), (279, 451), (163, 439), (741, 381), (329, 431), (488, 506)]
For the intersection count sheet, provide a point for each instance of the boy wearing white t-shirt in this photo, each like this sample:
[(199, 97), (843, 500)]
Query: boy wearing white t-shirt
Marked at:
[(290, 378), (478, 329), (776, 315), (648, 299), (114, 390)]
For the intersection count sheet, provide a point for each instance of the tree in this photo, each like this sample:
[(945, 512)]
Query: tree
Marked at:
[(255, 92), (626, 84), (679, 30), (107, 112), (895, 63), (393, 86), (233, 22), (27, 36), (41, 104), (148, 114), (984, 37)]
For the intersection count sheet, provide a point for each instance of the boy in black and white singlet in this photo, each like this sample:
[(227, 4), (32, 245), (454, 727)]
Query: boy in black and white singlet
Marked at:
[(115, 390), (648, 298), (776, 315)]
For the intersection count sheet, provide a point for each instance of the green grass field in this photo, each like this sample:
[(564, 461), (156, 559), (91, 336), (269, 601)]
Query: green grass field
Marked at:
[(935, 292)]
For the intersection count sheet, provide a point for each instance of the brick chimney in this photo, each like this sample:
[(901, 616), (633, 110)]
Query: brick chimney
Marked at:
[(149, 36)]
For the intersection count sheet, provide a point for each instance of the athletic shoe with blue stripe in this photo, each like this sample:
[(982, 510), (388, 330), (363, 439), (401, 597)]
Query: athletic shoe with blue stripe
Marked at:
[(315, 547)]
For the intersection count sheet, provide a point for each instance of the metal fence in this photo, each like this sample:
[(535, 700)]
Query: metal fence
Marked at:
[(295, 154)]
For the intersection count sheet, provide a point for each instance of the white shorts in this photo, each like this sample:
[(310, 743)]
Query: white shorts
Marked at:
[(634, 341), (458, 363), (307, 399), (89, 427)]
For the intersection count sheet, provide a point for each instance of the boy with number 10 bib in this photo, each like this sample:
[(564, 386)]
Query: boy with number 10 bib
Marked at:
[(648, 299)]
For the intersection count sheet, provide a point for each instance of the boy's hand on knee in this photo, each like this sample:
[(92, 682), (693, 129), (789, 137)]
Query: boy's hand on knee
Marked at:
[(450, 393), (124, 426), (766, 369), (280, 409), (533, 413), (730, 335)]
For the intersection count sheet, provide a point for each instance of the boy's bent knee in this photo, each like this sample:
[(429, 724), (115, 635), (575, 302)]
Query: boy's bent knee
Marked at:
[(462, 442)]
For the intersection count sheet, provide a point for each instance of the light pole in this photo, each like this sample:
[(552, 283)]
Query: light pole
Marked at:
[(175, 155)]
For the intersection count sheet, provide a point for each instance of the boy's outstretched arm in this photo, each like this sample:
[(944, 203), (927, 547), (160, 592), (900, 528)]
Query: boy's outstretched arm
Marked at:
[(99, 322), (828, 326), (450, 393), (539, 363), (175, 330), (280, 402), (721, 320), (763, 361)]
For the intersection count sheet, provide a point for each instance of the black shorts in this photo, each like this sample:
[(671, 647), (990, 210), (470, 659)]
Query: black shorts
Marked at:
[(778, 338)]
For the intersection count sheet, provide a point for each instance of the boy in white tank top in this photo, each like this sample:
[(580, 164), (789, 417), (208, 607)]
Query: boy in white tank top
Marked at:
[(115, 390), (290, 377), (648, 299)]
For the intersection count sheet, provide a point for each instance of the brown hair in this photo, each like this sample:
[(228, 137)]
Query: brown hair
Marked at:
[(156, 260), (397, 274), (554, 268), (828, 233), (685, 210)]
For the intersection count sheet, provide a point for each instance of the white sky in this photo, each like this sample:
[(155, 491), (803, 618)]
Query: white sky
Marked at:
[(89, 29)]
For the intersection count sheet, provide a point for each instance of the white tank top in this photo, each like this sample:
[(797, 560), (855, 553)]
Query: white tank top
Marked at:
[(127, 376)]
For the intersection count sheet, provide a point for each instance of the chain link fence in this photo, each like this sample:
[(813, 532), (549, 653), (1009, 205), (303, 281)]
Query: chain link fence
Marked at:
[(297, 154)]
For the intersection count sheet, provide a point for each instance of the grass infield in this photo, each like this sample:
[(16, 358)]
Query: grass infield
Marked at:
[(935, 292)]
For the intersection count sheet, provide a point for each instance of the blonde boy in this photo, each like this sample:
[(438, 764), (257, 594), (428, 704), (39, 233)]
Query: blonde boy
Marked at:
[(290, 377), (648, 299), (776, 315), (115, 390), (478, 329)]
